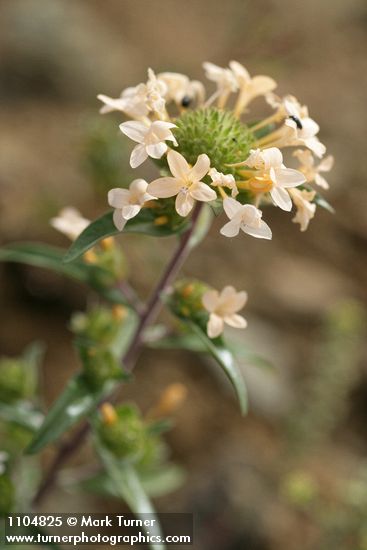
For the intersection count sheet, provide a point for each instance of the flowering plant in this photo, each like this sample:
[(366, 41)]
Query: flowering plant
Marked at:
[(209, 161)]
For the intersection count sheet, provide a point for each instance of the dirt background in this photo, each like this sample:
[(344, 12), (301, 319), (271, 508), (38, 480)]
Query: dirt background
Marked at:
[(246, 478)]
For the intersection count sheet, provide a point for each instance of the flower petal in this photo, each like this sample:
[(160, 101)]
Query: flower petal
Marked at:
[(231, 229), (138, 186), (326, 164), (117, 198), (178, 165), (321, 181), (231, 207), (138, 156), (200, 168), (281, 198), (156, 150), (215, 326), (135, 130), (262, 232), (210, 300), (184, 203), (231, 301), (236, 321), (163, 188), (272, 157), (118, 220), (202, 192), (287, 177), (130, 211)]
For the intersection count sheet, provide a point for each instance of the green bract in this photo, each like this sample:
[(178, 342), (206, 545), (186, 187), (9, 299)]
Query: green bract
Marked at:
[(186, 299), (126, 436), (218, 134), (14, 381)]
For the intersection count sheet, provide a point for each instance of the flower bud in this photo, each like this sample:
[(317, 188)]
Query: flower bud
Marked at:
[(125, 435), (100, 325), (186, 299), (217, 133), (15, 382), (99, 365), (170, 400)]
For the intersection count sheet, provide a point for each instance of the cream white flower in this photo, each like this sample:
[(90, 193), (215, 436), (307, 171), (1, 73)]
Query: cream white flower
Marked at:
[(185, 184), (180, 87), (272, 176), (305, 208), (223, 307), (224, 78), (138, 101), (132, 102), (150, 138), (251, 87), (298, 128), (156, 90), (223, 180), (128, 202), (312, 170), (245, 217), (70, 222)]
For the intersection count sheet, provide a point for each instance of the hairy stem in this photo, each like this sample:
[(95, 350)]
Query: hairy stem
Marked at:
[(147, 317)]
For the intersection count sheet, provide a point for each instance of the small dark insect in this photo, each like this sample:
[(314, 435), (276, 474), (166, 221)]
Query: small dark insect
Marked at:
[(185, 101), (297, 121)]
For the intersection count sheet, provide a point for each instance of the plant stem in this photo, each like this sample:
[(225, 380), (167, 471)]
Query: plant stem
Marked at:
[(149, 315), (154, 304)]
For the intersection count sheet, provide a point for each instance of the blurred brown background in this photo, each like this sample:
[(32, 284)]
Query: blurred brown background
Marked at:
[(293, 473)]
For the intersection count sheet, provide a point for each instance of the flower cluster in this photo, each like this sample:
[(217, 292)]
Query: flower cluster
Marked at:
[(207, 153)]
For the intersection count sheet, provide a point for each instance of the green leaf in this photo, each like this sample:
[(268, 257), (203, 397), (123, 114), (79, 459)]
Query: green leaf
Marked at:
[(104, 227), (191, 342), (22, 414), (33, 354), (76, 401), (185, 340), (225, 359), (156, 482), (160, 482), (51, 257), (323, 203), (129, 488)]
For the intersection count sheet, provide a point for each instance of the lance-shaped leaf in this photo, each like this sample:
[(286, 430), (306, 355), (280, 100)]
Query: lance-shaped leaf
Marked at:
[(129, 488), (224, 357), (155, 482), (323, 203), (104, 227), (51, 257), (21, 413), (76, 401)]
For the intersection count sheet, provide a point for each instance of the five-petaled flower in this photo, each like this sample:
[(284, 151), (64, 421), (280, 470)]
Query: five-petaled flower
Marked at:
[(128, 202), (245, 217), (298, 128), (186, 183), (272, 176), (150, 138), (312, 170), (70, 222), (223, 307)]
